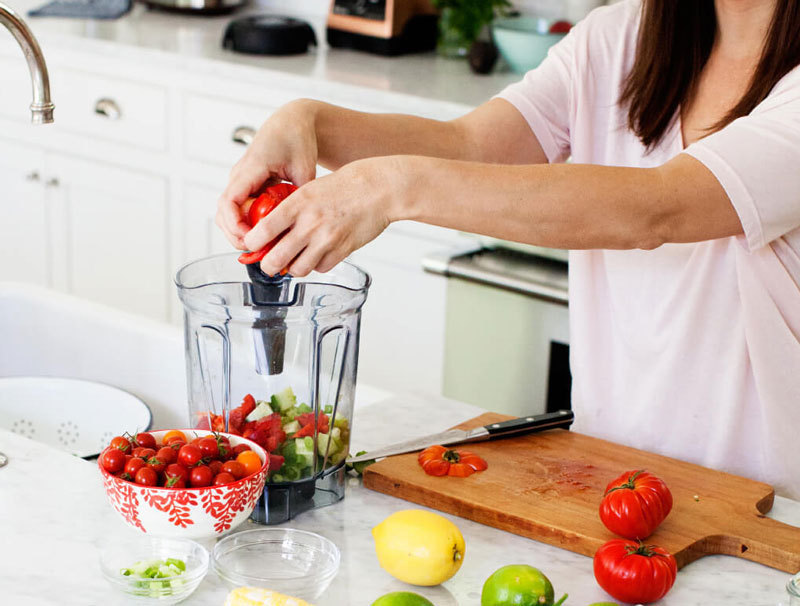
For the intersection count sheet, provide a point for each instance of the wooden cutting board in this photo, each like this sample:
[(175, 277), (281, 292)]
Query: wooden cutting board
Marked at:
[(548, 486)]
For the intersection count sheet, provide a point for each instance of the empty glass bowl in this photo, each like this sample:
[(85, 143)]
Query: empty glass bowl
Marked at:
[(293, 562), (793, 589), (123, 554)]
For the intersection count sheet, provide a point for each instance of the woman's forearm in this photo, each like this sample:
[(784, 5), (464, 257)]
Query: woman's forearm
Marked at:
[(569, 206)]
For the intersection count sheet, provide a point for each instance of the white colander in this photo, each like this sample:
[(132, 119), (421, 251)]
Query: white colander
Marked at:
[(74, 415)]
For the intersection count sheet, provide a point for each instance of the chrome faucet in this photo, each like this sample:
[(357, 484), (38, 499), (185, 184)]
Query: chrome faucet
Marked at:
[(41, 107)]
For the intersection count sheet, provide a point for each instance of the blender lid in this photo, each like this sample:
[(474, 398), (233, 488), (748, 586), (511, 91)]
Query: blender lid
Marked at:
[(268, 35)]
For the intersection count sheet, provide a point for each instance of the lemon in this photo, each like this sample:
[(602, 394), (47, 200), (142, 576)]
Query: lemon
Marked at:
[(255, 596), (402, 598), (419, 547)]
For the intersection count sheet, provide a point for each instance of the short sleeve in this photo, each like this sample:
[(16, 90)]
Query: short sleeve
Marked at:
[(544, 97), (756, 159)]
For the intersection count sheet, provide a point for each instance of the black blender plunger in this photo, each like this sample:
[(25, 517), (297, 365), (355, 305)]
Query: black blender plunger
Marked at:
[(269, 328)]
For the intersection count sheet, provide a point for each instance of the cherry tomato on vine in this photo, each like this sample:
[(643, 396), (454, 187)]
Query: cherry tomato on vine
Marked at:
[(236, 469), (239, 449), (175, 470), (146, 477), (633, 572), (113, 460), (215, 467), (145, 440), (156, 464), (143, 453), (209, 448), (167, 454), (189, 455), (172, 435), (223, 478), (201, 476), (133, 465), (122, 444)]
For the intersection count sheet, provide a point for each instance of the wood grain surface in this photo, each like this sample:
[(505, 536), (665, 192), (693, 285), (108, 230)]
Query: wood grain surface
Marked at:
[(548, 487)]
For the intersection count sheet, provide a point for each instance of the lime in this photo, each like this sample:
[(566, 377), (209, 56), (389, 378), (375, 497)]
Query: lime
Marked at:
[(518, 585), (402, 598)]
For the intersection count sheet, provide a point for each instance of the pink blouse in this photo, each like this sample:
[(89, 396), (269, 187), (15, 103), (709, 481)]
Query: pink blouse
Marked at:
[(690, 350)]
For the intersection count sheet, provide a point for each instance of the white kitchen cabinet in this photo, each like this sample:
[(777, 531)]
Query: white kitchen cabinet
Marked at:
[(111, 240), (25, 242)]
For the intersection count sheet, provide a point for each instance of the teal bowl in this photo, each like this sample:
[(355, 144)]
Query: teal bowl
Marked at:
[(524, 41)]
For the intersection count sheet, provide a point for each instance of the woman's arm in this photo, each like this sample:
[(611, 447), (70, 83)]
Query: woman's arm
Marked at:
[(495, 133), (303, 133), (561, 206)]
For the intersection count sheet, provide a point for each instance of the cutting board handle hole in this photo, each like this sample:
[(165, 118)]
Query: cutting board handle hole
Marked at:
[(744, 548)]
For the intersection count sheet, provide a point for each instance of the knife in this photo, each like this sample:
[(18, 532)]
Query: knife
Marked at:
[(493, 431)]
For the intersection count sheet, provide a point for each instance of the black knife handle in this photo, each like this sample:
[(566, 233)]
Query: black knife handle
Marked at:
[(522, 425)]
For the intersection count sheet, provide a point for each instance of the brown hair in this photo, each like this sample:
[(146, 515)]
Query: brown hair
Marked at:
[(675, 40)]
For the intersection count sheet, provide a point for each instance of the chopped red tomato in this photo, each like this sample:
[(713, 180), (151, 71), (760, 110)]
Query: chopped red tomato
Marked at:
[(441, 461)]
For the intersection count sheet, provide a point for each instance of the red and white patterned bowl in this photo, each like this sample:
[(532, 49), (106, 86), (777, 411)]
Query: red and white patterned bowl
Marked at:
[(187, 513)]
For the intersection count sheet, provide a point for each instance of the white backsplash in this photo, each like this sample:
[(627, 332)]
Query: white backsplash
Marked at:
[(573, 10)]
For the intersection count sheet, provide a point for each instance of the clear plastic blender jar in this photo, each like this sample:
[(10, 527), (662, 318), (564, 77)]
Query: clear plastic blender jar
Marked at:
[(275, 360)]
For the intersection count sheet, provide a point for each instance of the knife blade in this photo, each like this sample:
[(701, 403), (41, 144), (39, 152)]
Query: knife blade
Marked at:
[(493, 431)]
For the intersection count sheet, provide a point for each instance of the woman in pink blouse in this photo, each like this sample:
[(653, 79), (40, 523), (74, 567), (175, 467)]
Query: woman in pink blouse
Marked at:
[(681, 210)]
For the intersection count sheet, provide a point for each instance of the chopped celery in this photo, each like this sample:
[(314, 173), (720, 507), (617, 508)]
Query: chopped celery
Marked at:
[(283, 400)]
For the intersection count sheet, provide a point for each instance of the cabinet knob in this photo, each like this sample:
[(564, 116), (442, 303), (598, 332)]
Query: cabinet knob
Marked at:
[(33, 176), (108, 108), (52, 182), (243, 135)]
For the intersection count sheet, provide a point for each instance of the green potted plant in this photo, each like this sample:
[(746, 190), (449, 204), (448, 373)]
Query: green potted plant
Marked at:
[(461, 22)]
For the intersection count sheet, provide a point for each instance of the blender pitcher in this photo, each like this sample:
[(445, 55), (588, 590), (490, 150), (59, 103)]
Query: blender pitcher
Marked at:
[(274, 360)]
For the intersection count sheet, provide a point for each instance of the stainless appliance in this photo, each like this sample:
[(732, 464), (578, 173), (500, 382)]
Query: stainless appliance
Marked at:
[(384, 27), (507, 329)]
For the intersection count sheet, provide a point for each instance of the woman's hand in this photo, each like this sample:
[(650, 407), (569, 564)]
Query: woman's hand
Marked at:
[(284, 148), (328, 218)]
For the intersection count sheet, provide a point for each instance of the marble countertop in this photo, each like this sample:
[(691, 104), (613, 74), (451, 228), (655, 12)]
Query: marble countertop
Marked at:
[(195, 41), (54, 514)]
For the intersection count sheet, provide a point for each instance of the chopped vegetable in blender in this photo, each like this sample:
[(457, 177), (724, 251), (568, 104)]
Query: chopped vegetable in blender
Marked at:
[(287, 431)]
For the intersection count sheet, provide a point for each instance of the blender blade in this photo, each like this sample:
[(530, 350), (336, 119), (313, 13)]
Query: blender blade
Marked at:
[(269, 329)]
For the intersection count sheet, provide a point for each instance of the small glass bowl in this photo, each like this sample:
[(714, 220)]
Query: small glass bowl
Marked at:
[(293, 562), (793, 589), (166, 590)]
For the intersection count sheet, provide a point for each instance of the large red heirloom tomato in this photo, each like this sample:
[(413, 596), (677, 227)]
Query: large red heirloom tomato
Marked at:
[(634, 573), (635, 504)]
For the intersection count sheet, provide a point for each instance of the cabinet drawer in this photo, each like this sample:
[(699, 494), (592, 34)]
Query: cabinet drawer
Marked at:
[(216, 130), (108, 108), (15, 87)]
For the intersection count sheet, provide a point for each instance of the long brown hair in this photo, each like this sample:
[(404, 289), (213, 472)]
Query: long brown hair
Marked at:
[(675, 40)]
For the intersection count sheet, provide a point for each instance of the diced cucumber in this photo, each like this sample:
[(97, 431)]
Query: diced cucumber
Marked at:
[(328, 409), (336, 433), (304, 449), (259, 412), (341, 423), (291, 427), (283, 400), (323, 441)]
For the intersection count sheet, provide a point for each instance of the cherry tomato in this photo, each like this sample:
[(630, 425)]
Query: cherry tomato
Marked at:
[(250, 461), (174, 482), (236, 469), (633, 572), (145, 440), (113, 460), (134, 465), (172, 440), (173, 434), (215, 466), (146, 477), (143, 453), (239, 449), (174, 470), (167, 454), (156, 464), (122, 444), (223, 478), (189, 455), (635, 504), (201, 476), (209, 448)]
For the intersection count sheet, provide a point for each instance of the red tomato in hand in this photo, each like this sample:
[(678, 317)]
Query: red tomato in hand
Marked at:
[(146, 477), (260, 208), (189, 455), (113, 460), (634, 573), (635, 504)]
